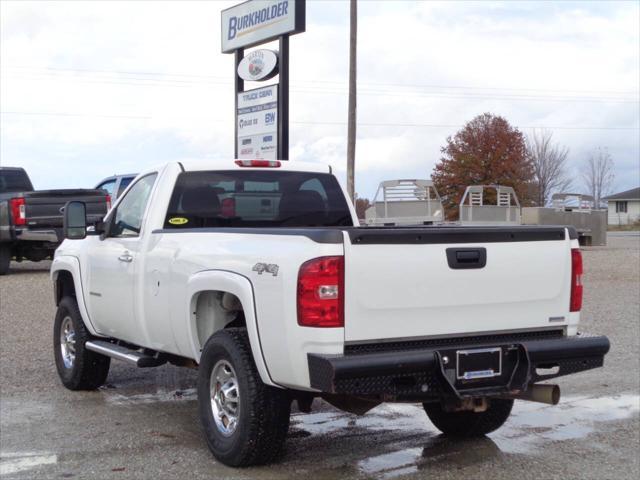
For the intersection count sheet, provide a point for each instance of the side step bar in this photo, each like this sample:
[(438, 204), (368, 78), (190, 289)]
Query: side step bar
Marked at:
[(125, 354)]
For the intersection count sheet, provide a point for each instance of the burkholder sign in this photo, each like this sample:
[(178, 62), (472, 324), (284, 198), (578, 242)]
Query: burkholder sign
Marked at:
[(262, 115), (258, 21)]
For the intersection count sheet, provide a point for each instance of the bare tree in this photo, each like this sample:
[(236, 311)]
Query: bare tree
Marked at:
[(598, 174), (549, 162), (361, 206), (351, 115)]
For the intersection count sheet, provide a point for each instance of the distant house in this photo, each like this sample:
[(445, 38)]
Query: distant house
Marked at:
[(624, 207)]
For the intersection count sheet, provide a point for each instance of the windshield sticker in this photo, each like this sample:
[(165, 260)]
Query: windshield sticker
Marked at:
[(178, 220)]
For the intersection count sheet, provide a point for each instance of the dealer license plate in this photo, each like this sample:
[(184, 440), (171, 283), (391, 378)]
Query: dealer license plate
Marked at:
[(479, 363)]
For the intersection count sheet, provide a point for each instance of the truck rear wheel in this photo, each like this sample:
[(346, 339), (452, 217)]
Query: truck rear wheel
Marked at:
[(245, 421), (469, 423), (5, 259), (78, 368)]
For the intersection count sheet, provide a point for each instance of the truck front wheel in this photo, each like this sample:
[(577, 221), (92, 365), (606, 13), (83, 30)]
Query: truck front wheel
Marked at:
[(469, 423), (78, 368), (245, 422)]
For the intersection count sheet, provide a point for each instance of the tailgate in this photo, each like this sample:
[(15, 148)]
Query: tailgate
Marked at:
[(44, 208), (399, 283)]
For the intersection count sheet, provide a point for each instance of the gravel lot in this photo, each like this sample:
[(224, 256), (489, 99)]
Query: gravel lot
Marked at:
[(143, 423)]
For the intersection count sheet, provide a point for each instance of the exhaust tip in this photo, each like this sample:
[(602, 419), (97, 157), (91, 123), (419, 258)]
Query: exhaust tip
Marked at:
[(543, 393), (549, 394)]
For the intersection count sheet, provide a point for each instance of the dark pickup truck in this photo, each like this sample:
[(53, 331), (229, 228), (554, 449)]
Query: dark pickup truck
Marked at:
[(31, 221)]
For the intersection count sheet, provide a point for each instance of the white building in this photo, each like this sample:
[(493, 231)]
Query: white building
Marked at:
[(624, 207)]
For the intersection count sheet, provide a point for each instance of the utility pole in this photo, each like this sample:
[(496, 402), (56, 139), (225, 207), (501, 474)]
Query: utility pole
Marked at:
[(351, 120)]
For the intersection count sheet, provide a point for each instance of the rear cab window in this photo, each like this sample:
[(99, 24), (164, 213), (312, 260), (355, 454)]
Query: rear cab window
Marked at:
[(257, 198), (109, 186), (124, 183)]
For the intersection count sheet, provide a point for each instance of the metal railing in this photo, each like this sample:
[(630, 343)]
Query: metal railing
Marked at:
[(405, 202), (474, 209)]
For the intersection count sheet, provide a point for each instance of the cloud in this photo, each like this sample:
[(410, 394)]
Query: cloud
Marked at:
[(94, 88)]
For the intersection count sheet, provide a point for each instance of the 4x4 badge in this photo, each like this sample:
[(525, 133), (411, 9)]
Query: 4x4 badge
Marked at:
[(266, 267)]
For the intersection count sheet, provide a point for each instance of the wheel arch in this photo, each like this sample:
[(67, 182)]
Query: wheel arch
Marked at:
[(65, 275), (211, 302)]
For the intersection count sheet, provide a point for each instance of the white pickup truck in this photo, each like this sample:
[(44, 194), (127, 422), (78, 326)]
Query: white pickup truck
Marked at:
[(257, 274)]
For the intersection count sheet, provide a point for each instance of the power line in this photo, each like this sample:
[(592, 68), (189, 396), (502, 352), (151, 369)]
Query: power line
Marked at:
[(404, 85), (366, 92), (433, 125), (66, 114), (117, 72), (550, 90), (302, 122)]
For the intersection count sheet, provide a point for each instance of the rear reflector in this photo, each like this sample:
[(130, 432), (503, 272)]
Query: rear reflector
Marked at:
[(321, 293), (576, 280), (18, 212), (259, 163)]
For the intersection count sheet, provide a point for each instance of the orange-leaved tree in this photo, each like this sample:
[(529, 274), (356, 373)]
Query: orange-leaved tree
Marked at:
[(487, 151)]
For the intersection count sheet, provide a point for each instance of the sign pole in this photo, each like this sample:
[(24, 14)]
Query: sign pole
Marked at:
[(283, 99), (238, 85)]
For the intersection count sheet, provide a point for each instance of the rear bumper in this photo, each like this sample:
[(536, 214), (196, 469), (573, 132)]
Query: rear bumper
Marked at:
[(424, 373), (48, 236)]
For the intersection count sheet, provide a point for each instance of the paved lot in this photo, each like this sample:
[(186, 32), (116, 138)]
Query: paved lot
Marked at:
[(143, 424)]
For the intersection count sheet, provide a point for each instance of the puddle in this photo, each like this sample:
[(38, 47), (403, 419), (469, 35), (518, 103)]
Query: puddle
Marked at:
[(114, 398), (530, 427), (394, 464), (14, 462), (436, 449), (575, 417)]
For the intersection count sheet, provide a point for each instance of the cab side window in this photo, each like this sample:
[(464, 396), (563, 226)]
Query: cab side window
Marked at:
[(130, 211)]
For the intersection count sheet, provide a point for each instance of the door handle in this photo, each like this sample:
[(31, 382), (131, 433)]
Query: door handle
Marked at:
[(126, 257), (468, 256), (464, 258)]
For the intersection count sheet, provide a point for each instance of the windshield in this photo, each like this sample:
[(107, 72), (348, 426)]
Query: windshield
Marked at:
[(14, 181), (256, 199)]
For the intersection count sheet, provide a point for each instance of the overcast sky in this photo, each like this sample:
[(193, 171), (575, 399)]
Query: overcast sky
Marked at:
[(89, 89)]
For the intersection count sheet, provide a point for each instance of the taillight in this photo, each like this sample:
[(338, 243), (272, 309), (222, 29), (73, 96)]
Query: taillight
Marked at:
[(321, 293), (228, 207), (259, 163), (576, 280), (18, 211), (108, 202)]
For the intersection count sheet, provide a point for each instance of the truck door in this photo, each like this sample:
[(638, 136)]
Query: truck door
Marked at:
[(113, 264)]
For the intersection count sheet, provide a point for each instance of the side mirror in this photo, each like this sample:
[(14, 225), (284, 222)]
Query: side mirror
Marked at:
[(103, 227), (75, 221), (98, 227)]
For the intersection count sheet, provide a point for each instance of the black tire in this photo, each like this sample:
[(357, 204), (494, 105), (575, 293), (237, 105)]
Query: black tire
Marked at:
[(263, 418), (5, 259), (469, 423), (88, 370)]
